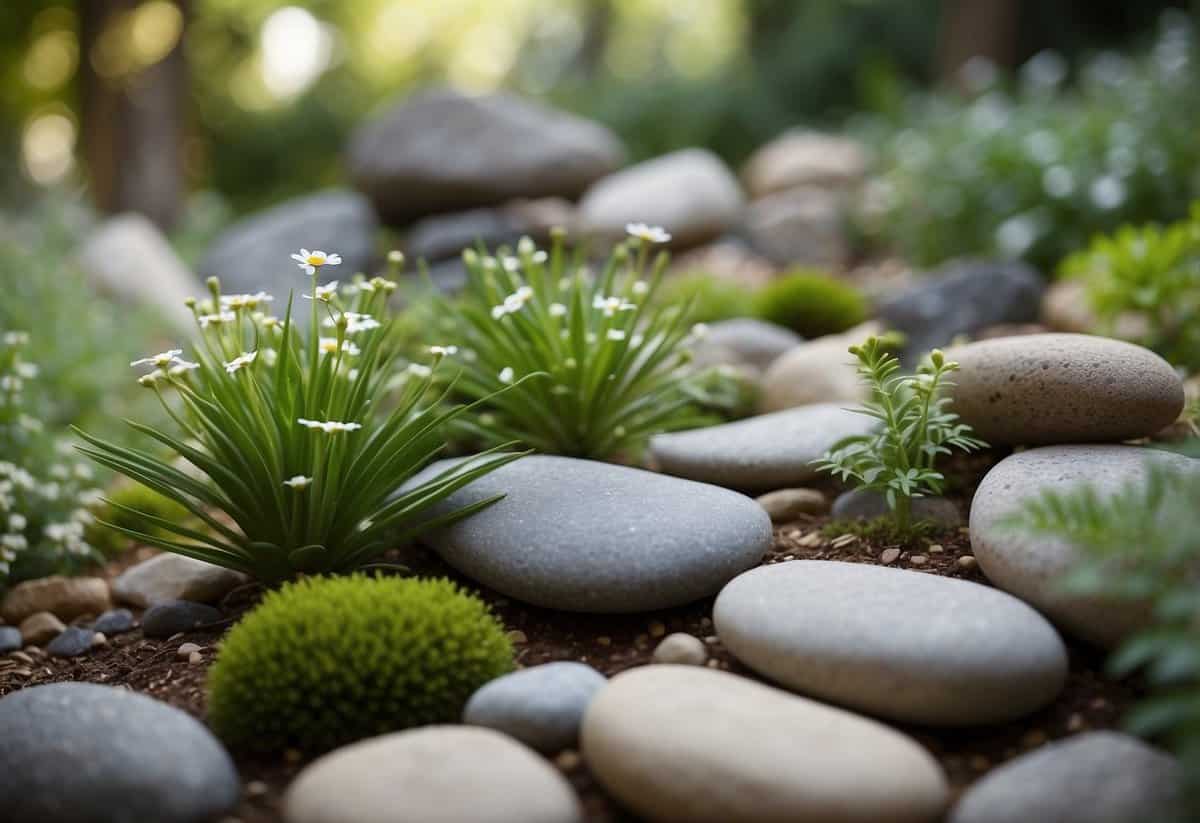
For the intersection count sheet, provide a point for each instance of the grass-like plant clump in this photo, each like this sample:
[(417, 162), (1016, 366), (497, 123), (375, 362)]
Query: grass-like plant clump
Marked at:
[(603, 365), (811, 303), (1142, 545), (325, 661), (291, 435), (899, 458), (1148, 276)]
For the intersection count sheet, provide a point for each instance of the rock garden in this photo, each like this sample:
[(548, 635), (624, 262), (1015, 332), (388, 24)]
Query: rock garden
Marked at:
[(568, 497)]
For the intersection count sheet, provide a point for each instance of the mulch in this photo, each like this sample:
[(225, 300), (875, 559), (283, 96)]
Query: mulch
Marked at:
[(611, 644)]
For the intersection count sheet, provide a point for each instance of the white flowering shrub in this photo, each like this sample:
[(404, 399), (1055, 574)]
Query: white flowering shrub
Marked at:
[(300, 439), (608, 364), (44, 508)]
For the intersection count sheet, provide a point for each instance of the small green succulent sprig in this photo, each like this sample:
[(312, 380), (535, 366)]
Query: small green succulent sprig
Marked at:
[(915, 429), (1151, 276), (1159, 516), (610, 364), (291, 435)]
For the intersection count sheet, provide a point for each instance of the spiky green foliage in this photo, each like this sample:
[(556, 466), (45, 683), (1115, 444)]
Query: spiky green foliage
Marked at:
[(326, 661), (299, 439), (899, 458), (1148, 277), (604, 365), (811, 303), (1142, 545)]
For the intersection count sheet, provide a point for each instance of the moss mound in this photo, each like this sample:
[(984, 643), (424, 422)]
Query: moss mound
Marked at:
[(811, 303)]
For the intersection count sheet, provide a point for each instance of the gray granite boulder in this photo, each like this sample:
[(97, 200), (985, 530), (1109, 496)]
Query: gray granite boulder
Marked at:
[(800, 158), (868, 504), (73, 752), (1095, 777), (909, 646), (762, 453), (444, 236), (10, 639), (254, 253), (962, 299), (1033, 568), (688, 744), (541, 706), (1040, 389), (752, 341), (435, 774), (174, 577), (441, 150), (690, 193), (799, 227), (581, 535)]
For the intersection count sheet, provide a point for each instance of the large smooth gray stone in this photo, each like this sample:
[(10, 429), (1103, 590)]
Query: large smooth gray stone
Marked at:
[(540, 706), (905, 645), (442, 150), (1033, 568), (83, 753), (1043, 389), (254, 253), (581, 535), (753, 341), (1095, 777), (770, 451)]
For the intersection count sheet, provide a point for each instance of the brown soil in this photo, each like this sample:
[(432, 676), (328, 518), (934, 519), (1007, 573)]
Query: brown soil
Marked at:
[(611, 644)]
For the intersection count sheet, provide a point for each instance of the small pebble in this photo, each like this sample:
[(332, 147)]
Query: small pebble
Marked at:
[(681, 648), (40, 628), (1075, 722), (517, 636), (844, 540), (967, 561), (195, 658), (117, 621), (99, 639), (713, 664), (568, 760), (657, 629), (936, 548), (10, 639), (73, 642), (186, 650), (175, 616), (257, 788), (918, 560), (888, 556)]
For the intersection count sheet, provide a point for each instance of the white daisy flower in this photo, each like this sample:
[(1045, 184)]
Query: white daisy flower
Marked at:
[(510, 264), (611, 305), (159, 360), (216, 319), (9, 383), (324, 292), (181, 368), (418, 370), (539, 256), (16, 338), (395, 256), (17, 522), (648, 234), (299, 482), (506, 374), (443, 351), (329, 426), (383, 284), (26, 370), (329, 345), (640, 287), (152, 378), (615, 334), (243, 359), (245, 301), (355, 322), (558, 310), (17, 542), (310, 261)]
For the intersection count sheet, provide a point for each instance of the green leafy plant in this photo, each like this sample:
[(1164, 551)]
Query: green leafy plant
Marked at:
[(916, 428), (126, 497), (1159, 516), (710, 298), (291, 437), (1149, 275), (605, 366), (326, 661), (44, 497), (811, 303)]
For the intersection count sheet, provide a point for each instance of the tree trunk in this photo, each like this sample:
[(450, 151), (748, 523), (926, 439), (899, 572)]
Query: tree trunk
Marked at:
[(133, 122)]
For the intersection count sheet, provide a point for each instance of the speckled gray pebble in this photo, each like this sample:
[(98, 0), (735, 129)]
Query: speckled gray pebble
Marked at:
[(900, 644), (1063, 388), (760, 453), (1032, 568), (80, 752), (117, 621), (1094, 777), (586, 536), (174, 616), (867, 504), (541, 706), (10, 639), (73, 642)]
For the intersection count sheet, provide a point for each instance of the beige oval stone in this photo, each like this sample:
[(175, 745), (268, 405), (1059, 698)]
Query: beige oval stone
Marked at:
[(175, 577), (680, 744), (40, 628), (819, 371), (64, 597), (1063, 388), (436, 774)]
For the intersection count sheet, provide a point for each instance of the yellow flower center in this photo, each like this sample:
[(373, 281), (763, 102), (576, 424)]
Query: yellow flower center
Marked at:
[(314, 260)]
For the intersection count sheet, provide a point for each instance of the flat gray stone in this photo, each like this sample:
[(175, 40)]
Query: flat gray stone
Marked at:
[(73, 752), (905, 645), (690, 193), (586, 536), (254, 253), (71, 642), (10, 639), (753, 341), (762, 453), (117, 621), (1039, 389), (174, 577), (1032, 568), (436, 774), (541, 706), (174, 616), (688, 744), (441, 150), (1094, 777), (868, 504)]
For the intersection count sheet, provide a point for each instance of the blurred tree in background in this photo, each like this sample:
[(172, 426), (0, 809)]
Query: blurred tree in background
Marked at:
[(255, 98)]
